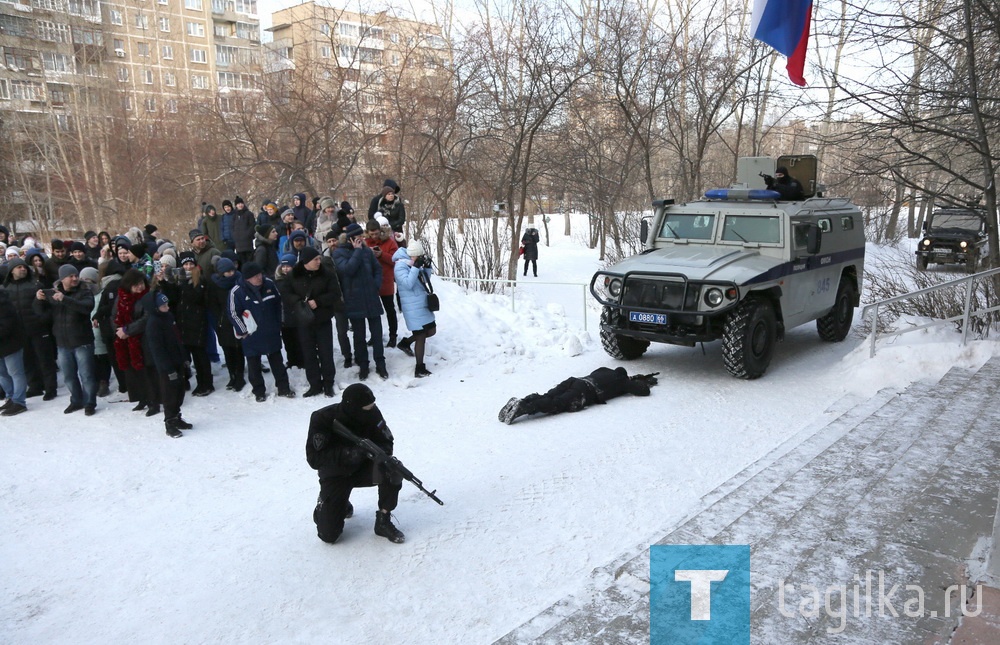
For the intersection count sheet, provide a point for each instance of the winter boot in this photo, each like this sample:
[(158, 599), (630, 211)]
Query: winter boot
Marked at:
[(384, 528), (509, 411), (238, 381), (392, 341), (172, 430), (381, 371), (181, 423), (153, 411), (348, 362), (102, 389), (421, 371), (363, 373), (404, 345)]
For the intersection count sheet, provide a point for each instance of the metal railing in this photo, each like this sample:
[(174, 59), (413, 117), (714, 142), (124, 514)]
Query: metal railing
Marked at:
[(513, 284), (966, 315)]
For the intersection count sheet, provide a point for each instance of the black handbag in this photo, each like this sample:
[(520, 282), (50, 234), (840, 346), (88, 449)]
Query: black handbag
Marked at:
[(433, 302), (303, 313)]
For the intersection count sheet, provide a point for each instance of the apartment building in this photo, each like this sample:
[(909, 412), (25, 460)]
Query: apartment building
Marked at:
[(356, 54), (151, 55)]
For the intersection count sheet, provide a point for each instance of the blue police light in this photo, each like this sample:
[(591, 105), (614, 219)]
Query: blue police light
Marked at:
[(742, 194)]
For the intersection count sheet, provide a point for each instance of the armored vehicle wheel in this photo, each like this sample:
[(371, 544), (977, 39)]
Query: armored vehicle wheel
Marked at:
[(620, 347), (835, 326), (921, 263), (749, 337)]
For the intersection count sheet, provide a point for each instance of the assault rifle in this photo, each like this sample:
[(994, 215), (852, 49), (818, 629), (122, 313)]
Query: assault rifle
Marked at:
[(379, 456)]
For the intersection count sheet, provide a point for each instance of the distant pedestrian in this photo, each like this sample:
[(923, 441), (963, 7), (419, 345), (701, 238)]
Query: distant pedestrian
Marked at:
[(529, 242)]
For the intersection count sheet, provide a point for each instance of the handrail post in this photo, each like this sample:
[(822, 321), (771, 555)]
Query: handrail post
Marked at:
[(513, 287), (874, 329), (584, 306), (968, 307)]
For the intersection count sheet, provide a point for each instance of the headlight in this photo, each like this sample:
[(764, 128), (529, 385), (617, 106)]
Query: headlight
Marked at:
[(713, 297), (615, 287), (963, 244), (926, 242)]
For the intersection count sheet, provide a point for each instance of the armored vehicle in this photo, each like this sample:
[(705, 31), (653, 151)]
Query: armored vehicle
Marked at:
[(739, 265), (954, 236)]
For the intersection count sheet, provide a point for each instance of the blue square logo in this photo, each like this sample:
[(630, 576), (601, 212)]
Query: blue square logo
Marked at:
[(699, 594)]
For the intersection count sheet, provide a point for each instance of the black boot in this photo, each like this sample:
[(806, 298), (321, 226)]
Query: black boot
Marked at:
[(384, 528), (153, 411), (392, 341), (421, 371), (102, 389), (172, 430), (404, 345)]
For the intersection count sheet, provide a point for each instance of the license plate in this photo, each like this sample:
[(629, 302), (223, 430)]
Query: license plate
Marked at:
[(940, 250), (652, 319)]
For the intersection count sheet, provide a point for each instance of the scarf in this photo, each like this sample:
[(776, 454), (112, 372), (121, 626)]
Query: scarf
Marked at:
[(128, 351)]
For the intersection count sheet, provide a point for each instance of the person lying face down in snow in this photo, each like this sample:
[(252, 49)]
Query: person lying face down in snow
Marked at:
[(574, 394)]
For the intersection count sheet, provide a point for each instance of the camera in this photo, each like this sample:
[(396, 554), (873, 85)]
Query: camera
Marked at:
[(48, 292), (422, 262), (178, 275)]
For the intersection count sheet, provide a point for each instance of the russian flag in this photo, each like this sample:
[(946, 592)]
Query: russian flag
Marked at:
[(784, 25)]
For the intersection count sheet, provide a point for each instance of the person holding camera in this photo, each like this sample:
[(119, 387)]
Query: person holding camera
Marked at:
[(382, 243), (413, 270), (360, 278), (70, 307)]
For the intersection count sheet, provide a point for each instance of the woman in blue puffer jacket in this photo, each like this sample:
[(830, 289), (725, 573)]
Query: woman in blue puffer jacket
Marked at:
[(413, 272)]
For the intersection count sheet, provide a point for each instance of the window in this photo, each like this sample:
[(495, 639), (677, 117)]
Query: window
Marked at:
[(324, 29), (248, 31), (348, 52), (54, 62), (169, 79), (51, 5), (199, 82), (395, 59), (88, 36), (16, 26), (750, 229), (164, 23), (324, 51), (4, 89), (394, 38), (220, 30), (147, 76), (171, 106), (685, 226), (143, 49), (86, 8), (149, 104), (57, 96), (22, 60), (825, 225), (127, 103), (116, 17), (141, 21), (123, 74), (375, 32), (27, 91), (118, 43), (192, 4), (847, 223), (347, 29), (167, 52), (199, 56), (53, 32), (225, 104), (246, 6), (196, 29)]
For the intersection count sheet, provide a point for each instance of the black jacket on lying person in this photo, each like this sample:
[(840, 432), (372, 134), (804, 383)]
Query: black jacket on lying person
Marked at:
[(574, 394)]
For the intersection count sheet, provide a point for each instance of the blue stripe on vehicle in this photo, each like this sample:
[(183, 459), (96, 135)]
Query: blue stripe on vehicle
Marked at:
[(803, 265)]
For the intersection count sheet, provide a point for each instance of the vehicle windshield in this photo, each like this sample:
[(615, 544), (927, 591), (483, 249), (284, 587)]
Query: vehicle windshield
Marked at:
[(754, 229), (956, 220), (688, 226)]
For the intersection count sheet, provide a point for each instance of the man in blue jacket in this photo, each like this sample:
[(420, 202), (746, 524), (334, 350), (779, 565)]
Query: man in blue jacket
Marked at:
[(360, 279), (255, 309)]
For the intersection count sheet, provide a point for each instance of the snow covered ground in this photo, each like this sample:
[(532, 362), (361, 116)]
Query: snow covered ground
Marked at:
[(114, 533)]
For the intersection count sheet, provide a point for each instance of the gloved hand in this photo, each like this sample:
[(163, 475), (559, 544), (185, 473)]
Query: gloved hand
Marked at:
[(648, 379)]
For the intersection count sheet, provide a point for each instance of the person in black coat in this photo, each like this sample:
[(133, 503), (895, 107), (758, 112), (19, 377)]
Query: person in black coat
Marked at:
[(360, 280), (162, 341), (390, 204), (188, 297), (784, 184), (70, 306), (343, 467), (13, 381), (40, 346), (529, 244), (316, 285), (575, 394), (219, 285)]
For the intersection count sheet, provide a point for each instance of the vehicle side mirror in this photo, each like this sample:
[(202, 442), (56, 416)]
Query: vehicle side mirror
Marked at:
[(814, 239), (643, 230)]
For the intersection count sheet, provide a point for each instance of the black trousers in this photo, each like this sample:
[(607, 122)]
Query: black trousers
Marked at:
[(172, 394), (335, 493), (202, 365), (256, 375), (143, 386), (534, 267), (571, 395), (40, 363), (390, 314), (293, 349), (316, 341), (343, 326), (361, 344)]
